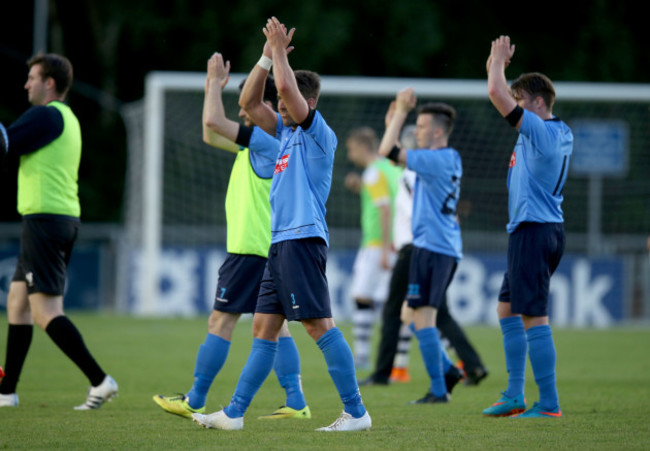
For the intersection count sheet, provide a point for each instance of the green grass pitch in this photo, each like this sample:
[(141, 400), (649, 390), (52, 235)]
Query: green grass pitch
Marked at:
[(603, 382)]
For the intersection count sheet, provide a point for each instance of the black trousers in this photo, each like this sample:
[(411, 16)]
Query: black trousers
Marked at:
[(391, 323)]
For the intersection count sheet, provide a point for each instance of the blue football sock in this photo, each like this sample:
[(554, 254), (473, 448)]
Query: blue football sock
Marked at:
[(287, 368), (257, 368), (429, 340), (516, 348), (340, 365), (541, 350), (209, 360)]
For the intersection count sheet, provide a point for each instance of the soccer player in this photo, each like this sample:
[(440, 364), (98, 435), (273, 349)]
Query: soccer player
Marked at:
[(536, 176), (375, 258), (437, 245), (394, 346), (294, 285), (47, 139), (391, 364), (248, 219)]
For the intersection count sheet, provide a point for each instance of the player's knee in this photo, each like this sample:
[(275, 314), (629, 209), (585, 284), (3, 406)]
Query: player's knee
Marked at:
[(222, 323), (317, 327), (503, 310), (406, 314), (18, 310), (17, 298), (532, 321), (45, 307), (267, 327), (424, 317), (42, 319)]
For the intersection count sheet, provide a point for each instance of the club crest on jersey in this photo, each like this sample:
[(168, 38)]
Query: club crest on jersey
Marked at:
[(513, 160), (281, 164)]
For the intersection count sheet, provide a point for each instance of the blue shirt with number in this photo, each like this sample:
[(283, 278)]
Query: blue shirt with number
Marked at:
[(538, 171), (436, 194)]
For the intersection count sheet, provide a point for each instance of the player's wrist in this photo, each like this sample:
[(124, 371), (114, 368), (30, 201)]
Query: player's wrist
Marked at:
[(265, 62), (500, 62)]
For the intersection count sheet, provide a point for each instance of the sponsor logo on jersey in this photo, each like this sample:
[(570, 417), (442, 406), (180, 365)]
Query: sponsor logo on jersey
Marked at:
[(281, 164), (513, 160)]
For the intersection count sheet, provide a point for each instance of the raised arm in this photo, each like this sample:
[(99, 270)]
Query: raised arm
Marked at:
[(251, 98), (218, 130), (404, 102), (498, 90), (279, 39)]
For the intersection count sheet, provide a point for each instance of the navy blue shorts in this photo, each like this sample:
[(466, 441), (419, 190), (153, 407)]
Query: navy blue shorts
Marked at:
[(45, 249), (534, 251), (294, 282), (430, 274), (239, 283)]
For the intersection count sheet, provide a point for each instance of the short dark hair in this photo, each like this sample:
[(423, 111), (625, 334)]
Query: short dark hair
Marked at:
[(270, 91), (54, 66), (443, 114), (365, 136), (535, 84), (308, 84)]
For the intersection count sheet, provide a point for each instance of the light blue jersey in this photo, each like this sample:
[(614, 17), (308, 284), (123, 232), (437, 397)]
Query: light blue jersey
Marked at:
[(265, 150), (436, 194), (538, 171), (301, 181)]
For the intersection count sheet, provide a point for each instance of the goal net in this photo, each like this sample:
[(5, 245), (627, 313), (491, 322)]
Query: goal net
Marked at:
[(176, 184)]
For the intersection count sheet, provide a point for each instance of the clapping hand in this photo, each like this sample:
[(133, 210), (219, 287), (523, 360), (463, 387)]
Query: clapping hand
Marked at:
[(218, 70), (277, 35)]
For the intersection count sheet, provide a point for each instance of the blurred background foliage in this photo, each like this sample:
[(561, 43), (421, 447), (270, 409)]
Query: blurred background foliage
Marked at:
[(114, 44)]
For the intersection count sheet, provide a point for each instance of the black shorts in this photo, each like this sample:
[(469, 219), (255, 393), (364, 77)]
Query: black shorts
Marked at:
[(430, 274), (534, 252), (239, 283), (294, 282), (45, 248)]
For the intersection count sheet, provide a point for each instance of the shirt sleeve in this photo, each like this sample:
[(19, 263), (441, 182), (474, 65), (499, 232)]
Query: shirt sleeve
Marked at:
[(541, 136), (422, 162), (263, 144), (36, 128), (264, 150), (322, 134)]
